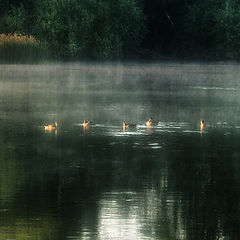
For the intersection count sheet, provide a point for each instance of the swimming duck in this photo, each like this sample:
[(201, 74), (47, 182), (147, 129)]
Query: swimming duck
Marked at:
[(51, 127), (128, 125), (87, 123), (150, 122), (202, 124)]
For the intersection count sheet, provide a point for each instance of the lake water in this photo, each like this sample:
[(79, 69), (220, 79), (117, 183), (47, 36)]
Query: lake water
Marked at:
[(166, 182)]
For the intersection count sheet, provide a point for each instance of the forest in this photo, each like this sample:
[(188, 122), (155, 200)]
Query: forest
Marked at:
[(121, 29)]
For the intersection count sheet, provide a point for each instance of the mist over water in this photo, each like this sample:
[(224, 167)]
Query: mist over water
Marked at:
[(169, 181)]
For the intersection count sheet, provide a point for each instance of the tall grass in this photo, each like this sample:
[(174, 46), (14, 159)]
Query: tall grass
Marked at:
[(15, 48)]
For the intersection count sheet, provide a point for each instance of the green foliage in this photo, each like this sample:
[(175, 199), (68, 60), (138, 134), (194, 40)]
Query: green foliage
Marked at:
[(90, 28), (14, 20), (228, 19), (116, 28), (79, 28), (207, 28), (198, 28), (211, 28)]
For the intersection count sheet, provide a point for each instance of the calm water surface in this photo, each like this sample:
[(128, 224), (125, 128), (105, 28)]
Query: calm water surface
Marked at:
[(167, 182)]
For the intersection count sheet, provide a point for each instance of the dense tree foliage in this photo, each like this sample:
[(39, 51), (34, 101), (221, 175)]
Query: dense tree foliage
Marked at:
[(79, 28), (206, 28), (116, 28)]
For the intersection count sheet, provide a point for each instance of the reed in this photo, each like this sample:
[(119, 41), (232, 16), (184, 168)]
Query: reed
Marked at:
[(15, 48)]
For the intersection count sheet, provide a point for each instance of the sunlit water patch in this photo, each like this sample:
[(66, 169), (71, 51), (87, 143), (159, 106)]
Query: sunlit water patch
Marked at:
[(194, 131), (154, 146), (119, 217), (216, 88), (177, 125), (130, 215)]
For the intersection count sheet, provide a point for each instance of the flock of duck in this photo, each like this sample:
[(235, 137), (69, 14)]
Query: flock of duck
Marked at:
[(87, 123)]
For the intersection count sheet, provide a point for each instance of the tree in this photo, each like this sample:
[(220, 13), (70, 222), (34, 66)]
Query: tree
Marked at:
[(15, 20), (228, 29), (89, 28)]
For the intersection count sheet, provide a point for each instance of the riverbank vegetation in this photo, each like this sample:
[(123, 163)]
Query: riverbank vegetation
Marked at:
[(18, 48), (80, 29)]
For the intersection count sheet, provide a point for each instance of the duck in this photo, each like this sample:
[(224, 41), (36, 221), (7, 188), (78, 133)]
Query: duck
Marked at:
[(202, 125), (150, 122), (51, 127), (87, 123), (128, 125)]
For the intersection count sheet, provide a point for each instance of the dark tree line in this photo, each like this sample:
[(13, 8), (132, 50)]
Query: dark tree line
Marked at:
[(120, 28), (206, 28)]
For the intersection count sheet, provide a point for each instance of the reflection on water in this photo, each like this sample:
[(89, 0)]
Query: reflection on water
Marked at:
[(168, 181), (119, 216)]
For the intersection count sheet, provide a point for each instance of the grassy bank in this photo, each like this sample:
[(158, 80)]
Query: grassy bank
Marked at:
[(16, 48)]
